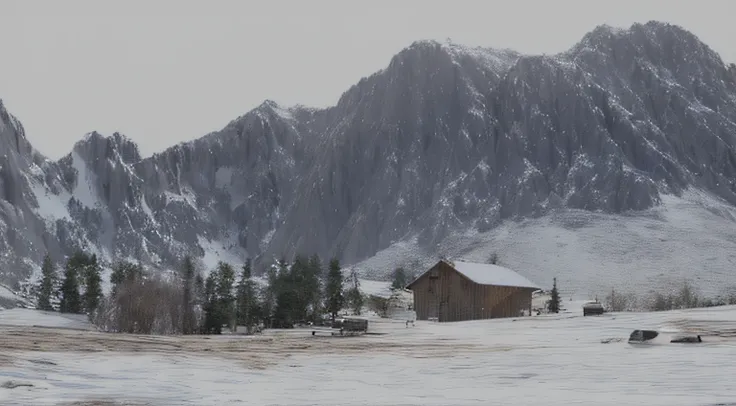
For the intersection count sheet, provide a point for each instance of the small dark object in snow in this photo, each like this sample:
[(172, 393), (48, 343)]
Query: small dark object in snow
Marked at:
[(352, 325), (349, 326), (42, 362), (13, 384), (640, 336), (690, 339)]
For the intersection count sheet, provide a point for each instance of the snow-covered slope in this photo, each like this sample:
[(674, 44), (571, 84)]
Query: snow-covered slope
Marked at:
[(10, 299), (685, 239), (445, 151)]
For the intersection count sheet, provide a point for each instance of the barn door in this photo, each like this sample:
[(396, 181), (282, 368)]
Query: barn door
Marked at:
[(443, 316)]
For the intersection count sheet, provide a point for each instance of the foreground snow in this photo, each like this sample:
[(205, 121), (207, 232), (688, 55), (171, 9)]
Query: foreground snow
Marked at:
[(558, 360)]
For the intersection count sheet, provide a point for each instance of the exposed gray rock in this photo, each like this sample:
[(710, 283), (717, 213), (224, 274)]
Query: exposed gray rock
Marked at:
[(445, 138)]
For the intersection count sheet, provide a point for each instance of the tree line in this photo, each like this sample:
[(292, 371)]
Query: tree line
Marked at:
[(80, 289), (684, 297), (187, 302)]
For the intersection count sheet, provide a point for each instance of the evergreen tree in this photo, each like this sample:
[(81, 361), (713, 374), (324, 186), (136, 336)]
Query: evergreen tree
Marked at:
[(353, 295), (296, 282), (289, 298), (46, 289), (212, 322), (224, 294), (93, 284), (399, 279), (333, 289), (247, 300), (188, 320), (315, 288), (304, 281), (242, 296), (554, 301), (269, 293), (71, 301), (294, 292), (219, 305)]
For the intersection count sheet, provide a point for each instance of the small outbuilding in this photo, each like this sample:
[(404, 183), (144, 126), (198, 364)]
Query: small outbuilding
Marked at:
[(593, 308), (457, 291)]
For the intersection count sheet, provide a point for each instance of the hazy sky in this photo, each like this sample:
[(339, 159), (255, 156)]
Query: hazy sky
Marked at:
[(168, 71)]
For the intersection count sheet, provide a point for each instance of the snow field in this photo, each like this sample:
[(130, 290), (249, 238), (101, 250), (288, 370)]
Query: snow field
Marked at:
[(553, 359)]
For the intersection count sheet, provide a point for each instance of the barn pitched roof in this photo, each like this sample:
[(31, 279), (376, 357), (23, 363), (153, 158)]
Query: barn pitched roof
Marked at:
[(488, 274)]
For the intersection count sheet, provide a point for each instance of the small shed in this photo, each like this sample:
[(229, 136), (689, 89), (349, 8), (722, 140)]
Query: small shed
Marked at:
[(457, 291), (593, 308)]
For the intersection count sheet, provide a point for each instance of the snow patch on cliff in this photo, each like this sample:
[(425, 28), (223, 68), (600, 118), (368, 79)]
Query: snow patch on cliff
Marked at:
[(216, 251), (84, 190), (51, 207)]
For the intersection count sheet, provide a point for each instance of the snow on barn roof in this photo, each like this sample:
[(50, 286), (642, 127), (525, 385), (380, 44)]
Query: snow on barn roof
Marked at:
[(488, 274)]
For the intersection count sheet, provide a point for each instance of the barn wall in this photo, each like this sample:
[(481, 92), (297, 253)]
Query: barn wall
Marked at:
[(515, 300), (426, 295), (450, 296)]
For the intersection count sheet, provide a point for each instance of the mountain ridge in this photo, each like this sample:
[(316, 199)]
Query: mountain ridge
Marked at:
[(444, 138)]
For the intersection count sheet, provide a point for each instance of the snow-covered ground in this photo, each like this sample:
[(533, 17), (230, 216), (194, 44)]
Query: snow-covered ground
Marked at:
[(9, 299), (552, 360), (690, 238), (377, 288), (39, 318), (6, 293)]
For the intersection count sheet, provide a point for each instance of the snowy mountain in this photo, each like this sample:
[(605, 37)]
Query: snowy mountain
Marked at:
[(444, 143)]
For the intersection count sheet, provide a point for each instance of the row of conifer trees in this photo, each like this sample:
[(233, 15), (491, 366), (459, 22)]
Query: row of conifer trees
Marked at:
[(188, 302)]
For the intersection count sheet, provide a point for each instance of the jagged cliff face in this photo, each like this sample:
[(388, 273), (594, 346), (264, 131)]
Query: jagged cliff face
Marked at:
[(445, 138)]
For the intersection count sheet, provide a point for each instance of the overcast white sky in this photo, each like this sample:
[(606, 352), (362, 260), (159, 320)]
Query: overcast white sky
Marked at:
[(166, 71)]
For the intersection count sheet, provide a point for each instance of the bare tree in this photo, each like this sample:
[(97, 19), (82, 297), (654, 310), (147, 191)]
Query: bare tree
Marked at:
[(618, 301), (143, 306), (687, 297)]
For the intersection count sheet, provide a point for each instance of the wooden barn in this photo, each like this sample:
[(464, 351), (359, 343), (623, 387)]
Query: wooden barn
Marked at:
[(457, 291)]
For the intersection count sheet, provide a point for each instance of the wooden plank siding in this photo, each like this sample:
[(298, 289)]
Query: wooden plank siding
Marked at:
[(448, 295)]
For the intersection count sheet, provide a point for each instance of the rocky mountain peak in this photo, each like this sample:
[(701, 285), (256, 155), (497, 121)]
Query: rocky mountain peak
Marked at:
[(12, 133), (654, 42), (446, 139), (434, 54), (116, 147), (274, 111)]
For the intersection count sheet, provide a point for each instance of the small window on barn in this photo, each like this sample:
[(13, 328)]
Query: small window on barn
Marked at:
[(434, 274)]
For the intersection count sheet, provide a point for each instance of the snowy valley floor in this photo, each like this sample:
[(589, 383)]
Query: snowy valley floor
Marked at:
[(550, 360)]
